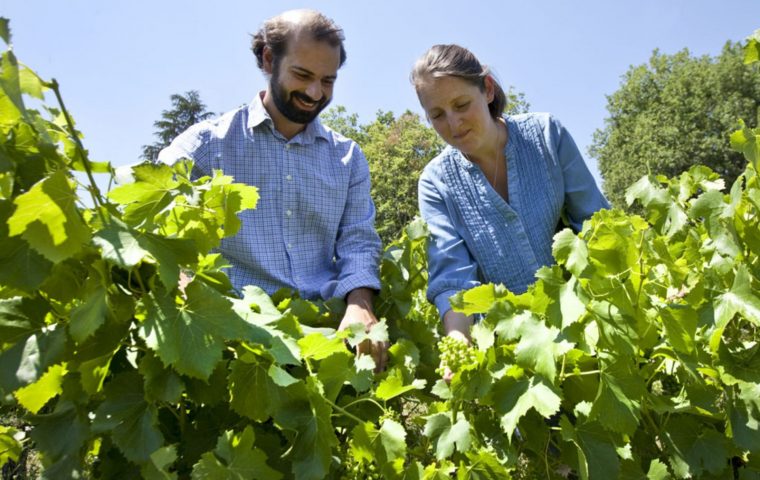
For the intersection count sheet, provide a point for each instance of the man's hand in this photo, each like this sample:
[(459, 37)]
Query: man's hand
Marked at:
[(359, 310)]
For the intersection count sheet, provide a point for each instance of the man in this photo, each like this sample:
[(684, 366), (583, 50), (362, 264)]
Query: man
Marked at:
[(313, 230)]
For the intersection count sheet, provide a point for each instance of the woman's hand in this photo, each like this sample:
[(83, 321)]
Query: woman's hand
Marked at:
[(456, 325)]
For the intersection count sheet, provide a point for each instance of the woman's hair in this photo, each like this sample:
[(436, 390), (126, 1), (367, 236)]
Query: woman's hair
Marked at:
[(456, 61), (278, 31)]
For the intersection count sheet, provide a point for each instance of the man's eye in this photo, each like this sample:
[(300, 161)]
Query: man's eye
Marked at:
[(462, 106)]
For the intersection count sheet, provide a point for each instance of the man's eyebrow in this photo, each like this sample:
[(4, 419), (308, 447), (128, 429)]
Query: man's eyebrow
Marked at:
[(305, 71)]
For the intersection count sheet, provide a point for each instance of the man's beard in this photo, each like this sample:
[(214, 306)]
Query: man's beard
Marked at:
[(285, 102)]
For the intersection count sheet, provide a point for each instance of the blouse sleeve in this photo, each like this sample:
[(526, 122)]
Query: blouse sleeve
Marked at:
[(451, 268), (582, 195)]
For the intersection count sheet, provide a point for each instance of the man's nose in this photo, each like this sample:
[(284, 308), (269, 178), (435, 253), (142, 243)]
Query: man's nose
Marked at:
[(314, 90)]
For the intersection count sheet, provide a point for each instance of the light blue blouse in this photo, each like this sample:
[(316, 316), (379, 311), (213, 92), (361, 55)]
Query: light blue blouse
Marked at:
[(477, 237)]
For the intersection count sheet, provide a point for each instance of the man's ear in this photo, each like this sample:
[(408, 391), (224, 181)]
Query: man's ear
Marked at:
[(267, 60)]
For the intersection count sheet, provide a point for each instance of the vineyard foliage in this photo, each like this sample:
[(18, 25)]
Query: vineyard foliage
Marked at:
[(636, 356)]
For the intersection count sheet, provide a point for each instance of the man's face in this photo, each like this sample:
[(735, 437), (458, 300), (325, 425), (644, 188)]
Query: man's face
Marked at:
[(302, 80)]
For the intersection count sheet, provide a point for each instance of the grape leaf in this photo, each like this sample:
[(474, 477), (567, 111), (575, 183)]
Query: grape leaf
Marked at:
[(617, 404), (318, 347), (513, 398), (160, 383), (60, 436), (150, 193), (191, 338), (393, 385), (20, 265), (597, 457), (235, 457), (89, 316), (483, 465), (159, 464), (307, 412), (5, 30), (253, 392), (386, 446), (447, 434), (47, 218), (128, 418), (569, 250), (10, 448), (740, 299), (31, 356), (33, 397)]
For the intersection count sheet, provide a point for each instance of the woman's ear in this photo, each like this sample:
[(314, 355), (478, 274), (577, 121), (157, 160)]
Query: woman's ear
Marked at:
[(489, 84)]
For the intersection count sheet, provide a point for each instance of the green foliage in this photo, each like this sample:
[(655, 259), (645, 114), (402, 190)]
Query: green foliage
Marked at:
[(636, 356), (397, 150), (675, 112), (187, 110)]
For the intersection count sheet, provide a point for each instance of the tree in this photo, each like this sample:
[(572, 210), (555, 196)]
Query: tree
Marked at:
[(675, 112), (187, 110), (397, 149)]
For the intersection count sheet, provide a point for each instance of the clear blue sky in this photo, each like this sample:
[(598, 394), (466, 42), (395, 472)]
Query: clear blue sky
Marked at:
[(119, 61)]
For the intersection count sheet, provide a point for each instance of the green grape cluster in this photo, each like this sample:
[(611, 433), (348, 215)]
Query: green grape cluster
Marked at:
[(455, 354), (389, 414), (354, 470)]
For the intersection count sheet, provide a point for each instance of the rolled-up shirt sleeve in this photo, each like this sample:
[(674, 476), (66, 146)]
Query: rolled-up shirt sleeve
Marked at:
[(192, 144), (582, 195), (451, 267), (358, 246)]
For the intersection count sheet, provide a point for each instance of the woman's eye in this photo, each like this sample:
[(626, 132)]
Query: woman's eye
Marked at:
[(462, 106)]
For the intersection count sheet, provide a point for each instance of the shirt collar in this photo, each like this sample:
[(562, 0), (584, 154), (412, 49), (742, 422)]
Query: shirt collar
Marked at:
[(258, 115)]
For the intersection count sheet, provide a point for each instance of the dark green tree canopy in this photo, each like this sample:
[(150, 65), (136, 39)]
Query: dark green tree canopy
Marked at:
[(675, 112), (187, 110)]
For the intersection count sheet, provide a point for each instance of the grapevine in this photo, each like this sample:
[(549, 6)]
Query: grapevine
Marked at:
[(635, 356), (455, 355)]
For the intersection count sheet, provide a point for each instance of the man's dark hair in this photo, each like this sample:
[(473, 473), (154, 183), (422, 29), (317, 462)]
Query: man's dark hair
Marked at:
[(278, 31)]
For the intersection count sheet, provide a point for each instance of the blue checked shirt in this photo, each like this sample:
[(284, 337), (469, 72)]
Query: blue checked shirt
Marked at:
[(313, 228)]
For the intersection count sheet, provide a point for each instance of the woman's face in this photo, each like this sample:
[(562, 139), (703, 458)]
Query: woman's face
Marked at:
[(457, 109)]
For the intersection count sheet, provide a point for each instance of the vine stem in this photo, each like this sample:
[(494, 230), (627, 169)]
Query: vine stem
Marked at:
[(580, 374), (93, 187), (359, 400), (344, 412)]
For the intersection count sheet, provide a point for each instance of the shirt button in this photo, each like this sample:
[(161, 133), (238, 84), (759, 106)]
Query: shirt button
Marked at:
[(289, 177), (288, 213), (289, 246), (287, 146)]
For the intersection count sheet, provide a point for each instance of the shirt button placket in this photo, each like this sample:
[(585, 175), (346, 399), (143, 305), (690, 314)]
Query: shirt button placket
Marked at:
[(288, 202)]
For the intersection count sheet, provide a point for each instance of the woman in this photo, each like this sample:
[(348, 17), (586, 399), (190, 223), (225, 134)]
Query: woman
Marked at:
[(493, 198)]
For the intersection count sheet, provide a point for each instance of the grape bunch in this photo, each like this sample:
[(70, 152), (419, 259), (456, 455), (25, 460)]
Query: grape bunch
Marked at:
[(354, 470), (455, 354), (389, 414)]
